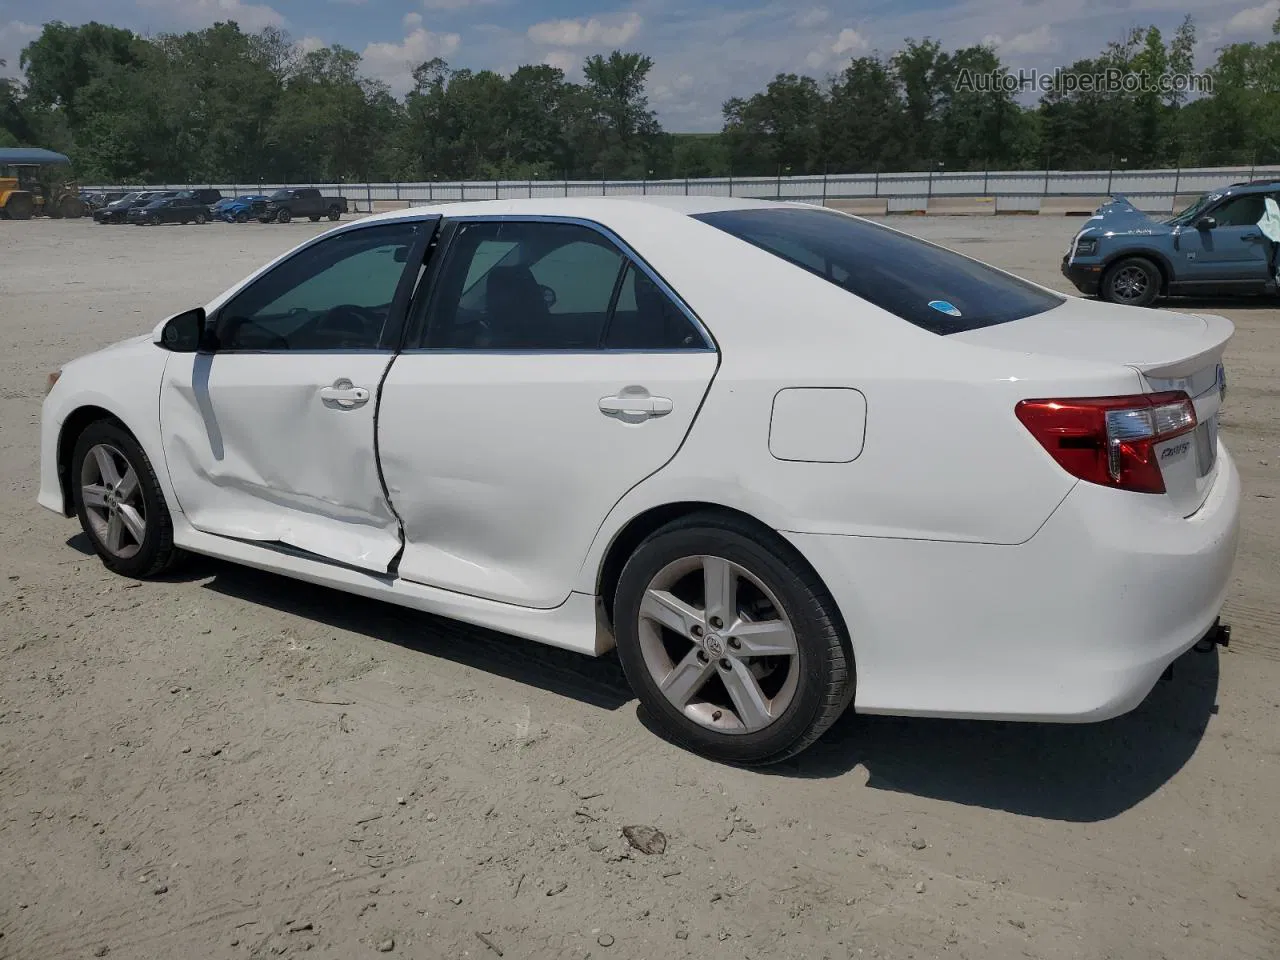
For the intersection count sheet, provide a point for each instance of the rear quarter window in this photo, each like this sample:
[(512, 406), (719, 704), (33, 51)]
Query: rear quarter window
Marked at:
[(926, 285)]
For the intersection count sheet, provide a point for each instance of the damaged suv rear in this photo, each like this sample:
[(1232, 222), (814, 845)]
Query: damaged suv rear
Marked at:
[(1214, 247)]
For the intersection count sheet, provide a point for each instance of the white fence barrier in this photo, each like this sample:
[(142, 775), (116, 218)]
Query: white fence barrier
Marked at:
[(1013, 191)]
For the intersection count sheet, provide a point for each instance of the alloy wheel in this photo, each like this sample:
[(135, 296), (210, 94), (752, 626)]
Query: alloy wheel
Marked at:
[(1130, 283), (113, 501), (718, 644)]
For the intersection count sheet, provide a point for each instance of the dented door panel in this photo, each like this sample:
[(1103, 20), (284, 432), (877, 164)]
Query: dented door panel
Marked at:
[(258, 449)]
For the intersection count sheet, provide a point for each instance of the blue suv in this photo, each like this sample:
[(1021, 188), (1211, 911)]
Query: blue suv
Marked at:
[(1213, 247)]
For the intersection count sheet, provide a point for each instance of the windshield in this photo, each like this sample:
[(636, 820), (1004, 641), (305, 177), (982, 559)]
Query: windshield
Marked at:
[(280, 195), (926, 285), (1193, 211)]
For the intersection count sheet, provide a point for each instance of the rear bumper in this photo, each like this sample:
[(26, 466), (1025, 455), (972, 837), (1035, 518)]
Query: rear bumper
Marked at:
[(1087, 278), (1075, 625)]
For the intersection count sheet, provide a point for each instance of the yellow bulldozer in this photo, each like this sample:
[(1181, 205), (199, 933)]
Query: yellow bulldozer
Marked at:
[(31, 185)]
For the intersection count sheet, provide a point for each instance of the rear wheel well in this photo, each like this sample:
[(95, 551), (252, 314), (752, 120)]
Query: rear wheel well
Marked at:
[(72, 427), (642, 525)]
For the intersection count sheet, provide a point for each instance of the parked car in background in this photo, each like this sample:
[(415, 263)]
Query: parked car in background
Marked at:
[(251, 206), (205, 195), (1213, 247), (786, 459), (286, 205), (118, 212), (97, 199), (177, 209)]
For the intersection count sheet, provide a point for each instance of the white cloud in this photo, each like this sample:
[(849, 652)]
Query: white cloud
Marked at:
[(849, 41), (814, 17), (250, 16), (456, 4), (311, 44), (15, 35), (412, 21), (1039, 40), (394, 63), (1255, 20), (583, 33), (565, 60)]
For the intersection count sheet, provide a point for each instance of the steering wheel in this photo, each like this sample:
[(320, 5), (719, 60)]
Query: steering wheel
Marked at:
[(330, 323)]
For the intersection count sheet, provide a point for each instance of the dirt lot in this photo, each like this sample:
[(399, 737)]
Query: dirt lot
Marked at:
[(230, 764)]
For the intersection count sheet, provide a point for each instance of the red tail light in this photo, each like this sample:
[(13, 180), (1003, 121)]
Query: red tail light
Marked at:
[(1110, 440)]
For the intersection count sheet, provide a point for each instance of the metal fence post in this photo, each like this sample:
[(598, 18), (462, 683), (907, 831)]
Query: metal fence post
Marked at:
[(1177, 179), (824, 186), (397, 189), (368, 189), (930, 193), (1110, 174), (431, 192), (986, 175), (686, 185), (877, 190), (531, 188), (497, 195)]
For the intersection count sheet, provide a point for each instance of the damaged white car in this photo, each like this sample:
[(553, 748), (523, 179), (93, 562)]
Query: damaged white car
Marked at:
[(784, 458)]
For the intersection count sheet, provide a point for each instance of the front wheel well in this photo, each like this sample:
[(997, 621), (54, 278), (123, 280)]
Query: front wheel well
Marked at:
[(72, 427), (1161, 265), (641, 526)]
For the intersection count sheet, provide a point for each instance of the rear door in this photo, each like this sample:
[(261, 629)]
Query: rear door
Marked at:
[(549, 373)]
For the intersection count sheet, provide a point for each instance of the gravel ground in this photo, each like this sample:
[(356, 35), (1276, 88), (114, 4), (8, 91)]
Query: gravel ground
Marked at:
[(231, 764)]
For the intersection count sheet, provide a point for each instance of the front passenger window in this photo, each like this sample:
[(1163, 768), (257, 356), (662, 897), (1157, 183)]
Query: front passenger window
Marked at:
[(333, 295)]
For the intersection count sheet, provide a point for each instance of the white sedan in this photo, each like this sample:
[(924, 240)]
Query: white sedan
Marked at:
[(783, 458)]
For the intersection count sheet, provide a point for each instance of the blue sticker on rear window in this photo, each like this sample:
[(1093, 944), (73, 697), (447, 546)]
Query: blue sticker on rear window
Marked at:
[(943, 306)]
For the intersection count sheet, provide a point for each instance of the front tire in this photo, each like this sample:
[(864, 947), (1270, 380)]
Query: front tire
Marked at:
[(731, 643), (1133, 282), (119, 502), (201, 219), (284, 216)]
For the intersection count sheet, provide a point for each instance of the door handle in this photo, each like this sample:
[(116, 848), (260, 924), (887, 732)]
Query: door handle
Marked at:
[(635, 405), (344, 395)]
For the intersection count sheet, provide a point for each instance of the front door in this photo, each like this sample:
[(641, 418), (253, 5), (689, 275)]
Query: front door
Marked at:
[(1233, 250), (270, 436), (555, 373)]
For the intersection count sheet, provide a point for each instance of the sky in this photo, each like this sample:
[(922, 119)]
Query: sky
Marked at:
[(703, 52)]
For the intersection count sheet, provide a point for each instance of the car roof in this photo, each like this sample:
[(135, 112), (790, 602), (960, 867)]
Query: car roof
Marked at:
[(21, 155), (600, 209)]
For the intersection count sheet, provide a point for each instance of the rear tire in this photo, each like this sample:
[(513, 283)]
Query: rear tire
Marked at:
[(335, 214), (71, 208), (726, 702), (119, 502), (314, 219), (242, 217), (1133, 282)]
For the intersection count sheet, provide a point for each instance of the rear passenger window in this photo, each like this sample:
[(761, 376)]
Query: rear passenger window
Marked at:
[(646, 319), (547, 286)]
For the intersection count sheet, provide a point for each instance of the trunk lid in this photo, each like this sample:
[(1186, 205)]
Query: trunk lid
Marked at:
[(1170, 351)]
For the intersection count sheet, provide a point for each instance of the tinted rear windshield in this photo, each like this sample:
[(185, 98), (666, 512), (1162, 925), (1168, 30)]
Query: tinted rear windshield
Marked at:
[(926, 285)]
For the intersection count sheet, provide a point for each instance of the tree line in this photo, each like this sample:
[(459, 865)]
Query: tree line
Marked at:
[(220, 104)]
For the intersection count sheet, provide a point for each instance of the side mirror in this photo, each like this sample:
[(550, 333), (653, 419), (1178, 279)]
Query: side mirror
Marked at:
[(1206, 223), (183, 333)]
